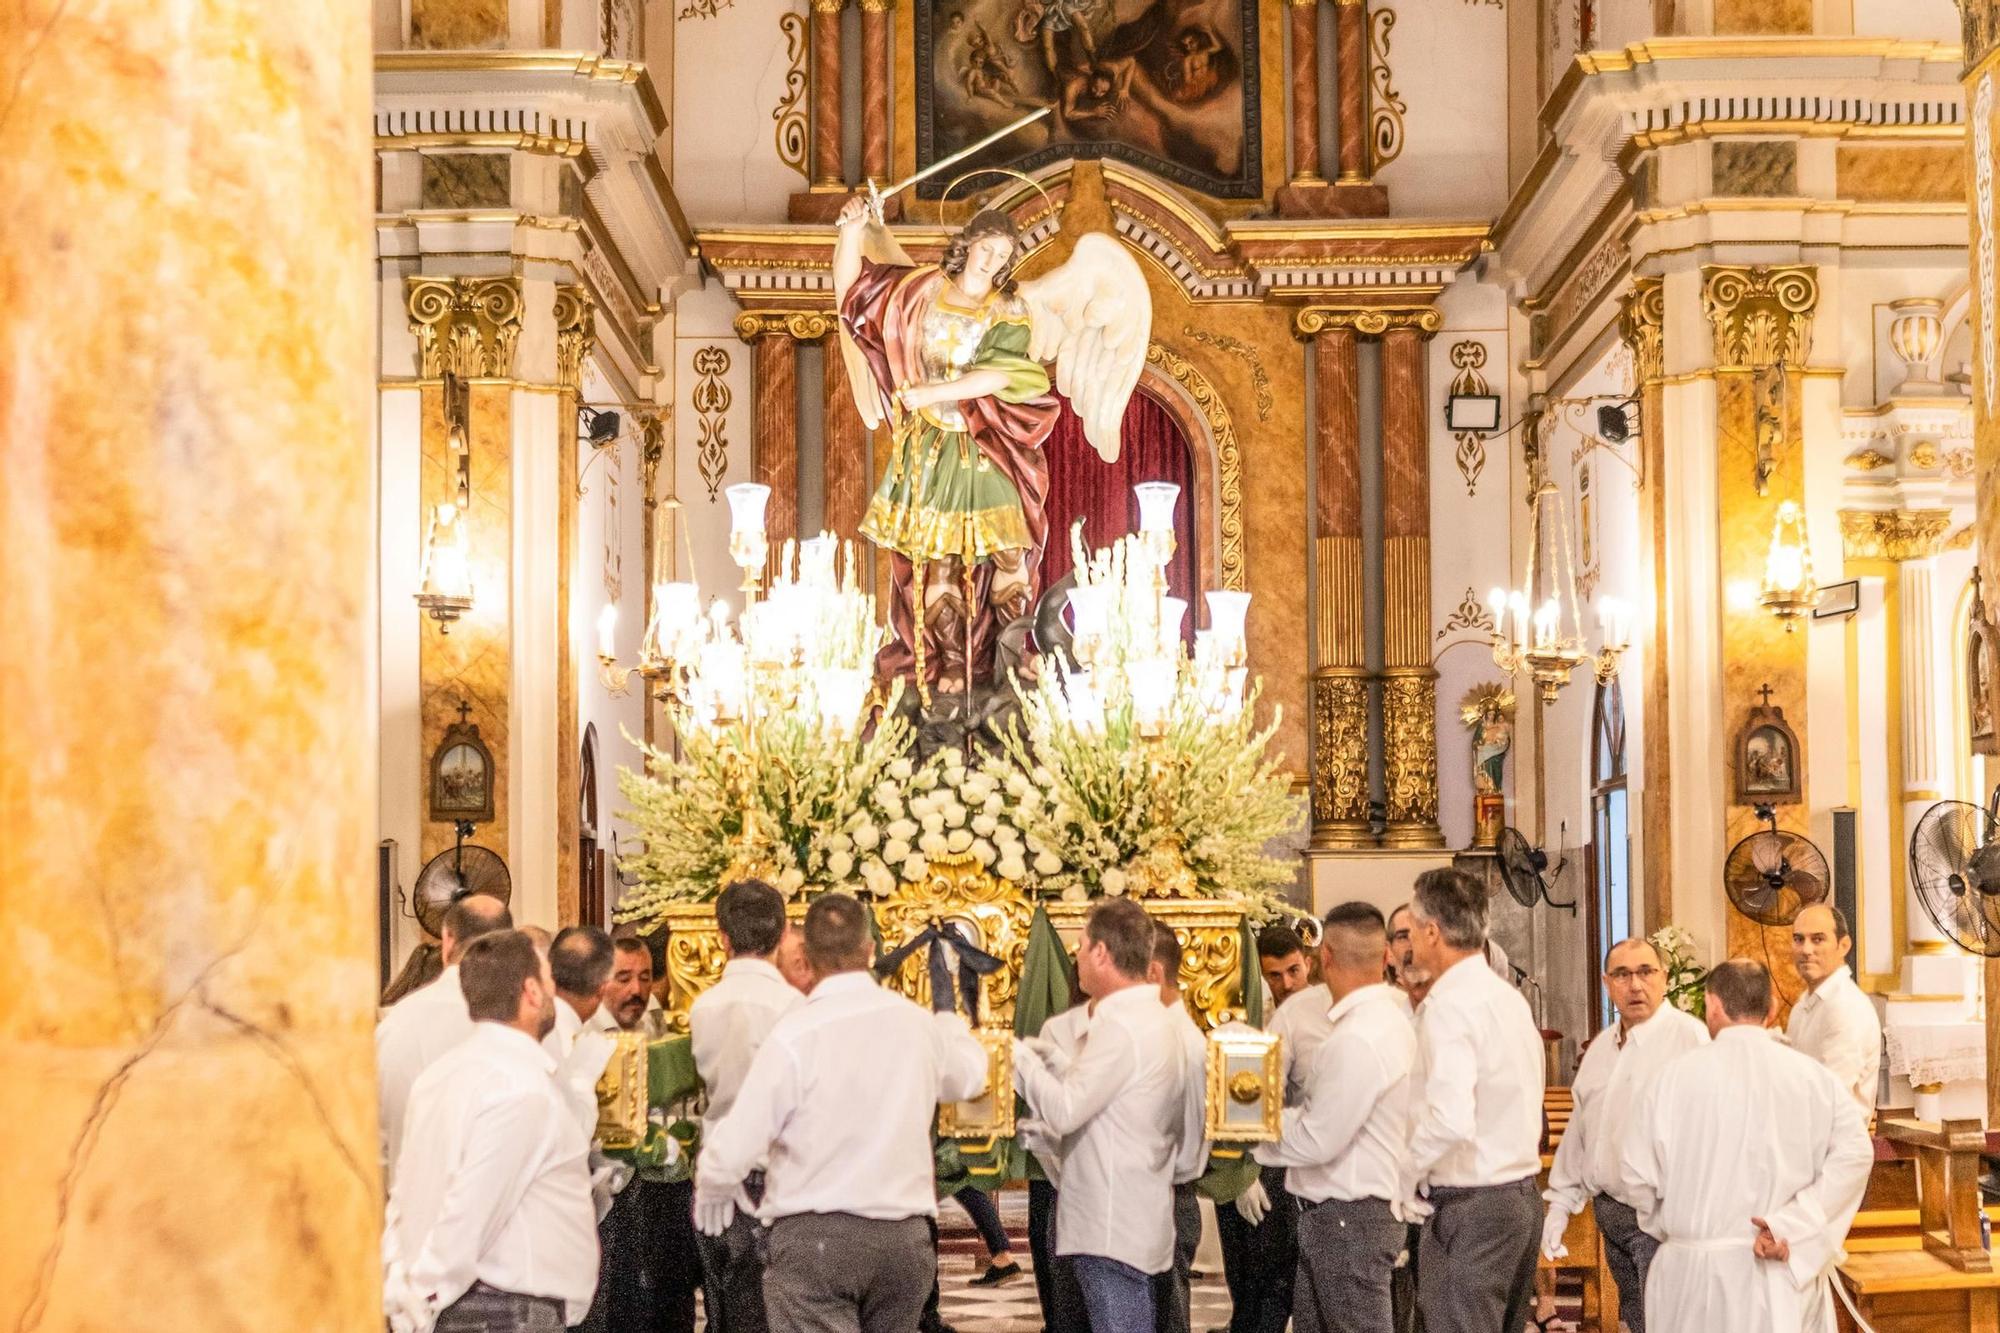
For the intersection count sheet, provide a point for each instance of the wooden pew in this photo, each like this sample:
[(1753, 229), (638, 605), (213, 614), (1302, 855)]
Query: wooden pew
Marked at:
[(1586, 1251), (1914, 1262)]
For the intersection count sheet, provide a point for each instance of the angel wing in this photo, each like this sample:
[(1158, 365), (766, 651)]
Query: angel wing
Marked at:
[(878, 247), (1092, 317)]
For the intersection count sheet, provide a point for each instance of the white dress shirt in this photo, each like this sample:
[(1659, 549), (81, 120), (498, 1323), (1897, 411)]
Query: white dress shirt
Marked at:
[(840, 1100), (729, 1021), (1191, 1149), (491, 1186), (1476, 1100), (563, 1035), (1348, 1138), (1301, 1021), (416, 1030), (1835, 1023), (1590, 1157), (1118, 1109)]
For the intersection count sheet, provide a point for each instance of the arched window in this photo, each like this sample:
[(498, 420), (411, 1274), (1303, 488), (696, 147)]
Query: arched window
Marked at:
[(1611, 916)]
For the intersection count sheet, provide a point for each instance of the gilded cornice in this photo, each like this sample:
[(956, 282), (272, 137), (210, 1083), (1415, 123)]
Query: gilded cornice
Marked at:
[(467, 326), (1368, 321), (652, 451), (576, 333), (1979, 22), (1642, 318), (589, 68), (800, 325), (1893, 534), (1761, 316)]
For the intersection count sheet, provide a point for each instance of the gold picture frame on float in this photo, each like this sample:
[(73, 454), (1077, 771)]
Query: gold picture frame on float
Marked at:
[(622, 1093), (1246, 1086), (990, 1114)]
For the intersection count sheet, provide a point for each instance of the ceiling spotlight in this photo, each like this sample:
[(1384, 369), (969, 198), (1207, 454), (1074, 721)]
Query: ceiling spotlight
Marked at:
[(599, 428)]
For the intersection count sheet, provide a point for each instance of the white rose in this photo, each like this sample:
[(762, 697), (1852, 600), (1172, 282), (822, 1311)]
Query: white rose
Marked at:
[(1031, 799), (900, 769), (1010, 867), (994, 804), (982, 852), (877, 877), (839, 842), (1112, 881), (955, 815), (1047, 863), (958, 840), (933, 822), (895, 850), (840, 865), (978, 786), (867, 837), (887, 792), (1016, 784), (1036, 845), (903, 830), (932, 844), (1076, 893), (915, 868), (954, 775), (951, 757), (791, 881), (927, 779), (984, 825), (893, 809)]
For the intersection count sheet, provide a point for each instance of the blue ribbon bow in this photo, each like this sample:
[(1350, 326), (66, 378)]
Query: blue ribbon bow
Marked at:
[(973, 963)]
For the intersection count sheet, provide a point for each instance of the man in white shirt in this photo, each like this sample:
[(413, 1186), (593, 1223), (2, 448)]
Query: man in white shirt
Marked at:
[(490, 1223), (429, 1021), (727, 1024), (1476, 1129), (839, 1101), (1400, 961), (1191, 1147), (1118, 1109), (1056, 1291), (1747, 1161), (1833, 1021), (1620, 1061), (580, 963), (1344, 1144)]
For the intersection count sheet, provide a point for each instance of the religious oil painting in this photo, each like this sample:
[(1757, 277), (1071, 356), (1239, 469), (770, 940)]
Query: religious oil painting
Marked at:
[(462, 777), (1167, 85), (1767, 763), (1980, 684)]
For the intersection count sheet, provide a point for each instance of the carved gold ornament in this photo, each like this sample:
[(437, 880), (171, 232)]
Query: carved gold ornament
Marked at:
[(622, 1093), (801, 325), (1868, 460), (1893, 534), (990, 1115), (1924, 454), (1760, 316), (1385, 126), (1641, 326), (467, 326), (710, 400), (1228, 456), (1409, 744), (1260, 383), (1340, 747), (1959, 463), (576, 334), (790, 113), (1246, 1086), (1368, 321)]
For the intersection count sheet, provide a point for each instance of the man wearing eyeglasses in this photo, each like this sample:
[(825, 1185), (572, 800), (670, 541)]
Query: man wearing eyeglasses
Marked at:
[(1619, 1061)]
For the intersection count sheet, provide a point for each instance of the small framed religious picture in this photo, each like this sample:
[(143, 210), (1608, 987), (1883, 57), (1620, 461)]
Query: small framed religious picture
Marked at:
[(462, 774), (990, 1114), (1981, 644), (1767, 757)]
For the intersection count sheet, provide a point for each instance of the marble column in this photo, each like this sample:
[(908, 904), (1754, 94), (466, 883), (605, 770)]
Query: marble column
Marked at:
[(1308, 194), (1642, 328), (1305, 92), (774, 447), (1351, 76), (1340, 673), (1409, 682), (845, 440), (187, 846), (875, 90), (826, 169)]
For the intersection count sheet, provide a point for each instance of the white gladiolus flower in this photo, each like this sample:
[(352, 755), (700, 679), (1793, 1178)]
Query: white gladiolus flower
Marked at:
[(982, 852), (1041, 777), (984, 825), (955, 815), (976, 788), (867, 837), (1016, 784), (900, 769), (958, 840), (915, 868), (932, 844), (1047, 863), (902, 829), (840, 865), (994, 804), (791, 881), (896, 850), (1010, 867), (877, 877), (1062, 814), (1112, 881), (933, 822), (1076, 893)]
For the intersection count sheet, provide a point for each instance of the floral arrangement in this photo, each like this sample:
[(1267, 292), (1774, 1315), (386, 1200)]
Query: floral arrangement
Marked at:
[(918, 814), (1686, 978)]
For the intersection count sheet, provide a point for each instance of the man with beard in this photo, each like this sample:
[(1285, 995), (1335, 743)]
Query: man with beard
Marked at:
[(490, 1223), (1401, 964)]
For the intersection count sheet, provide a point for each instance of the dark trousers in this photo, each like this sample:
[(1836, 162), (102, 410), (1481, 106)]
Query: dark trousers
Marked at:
[(1170, 1289), (1347, 1265), (1260, 1263), (649, 1267), (985, 1215), (482, 1309), (732, 1267), (1479, 1250), (1055, 1277), (837, 1273), (1629, 1251), (1118, 1296), (1403, 1286)]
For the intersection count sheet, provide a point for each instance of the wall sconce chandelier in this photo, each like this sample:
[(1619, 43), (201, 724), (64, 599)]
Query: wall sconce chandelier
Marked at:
[(444, 588), (1790, 591), (1546, 637)]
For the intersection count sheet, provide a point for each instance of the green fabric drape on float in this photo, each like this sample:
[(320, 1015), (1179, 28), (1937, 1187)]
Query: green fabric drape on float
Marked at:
[(1046, 978)]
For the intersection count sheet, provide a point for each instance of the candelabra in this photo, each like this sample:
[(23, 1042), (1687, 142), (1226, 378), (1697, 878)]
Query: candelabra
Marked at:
[(1546, 639)]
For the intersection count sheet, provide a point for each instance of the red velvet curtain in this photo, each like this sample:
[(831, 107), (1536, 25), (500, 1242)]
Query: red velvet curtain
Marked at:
[(1082, 485)]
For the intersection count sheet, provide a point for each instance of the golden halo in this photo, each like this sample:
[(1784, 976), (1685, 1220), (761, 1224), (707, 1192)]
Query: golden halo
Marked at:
[(961, 178)]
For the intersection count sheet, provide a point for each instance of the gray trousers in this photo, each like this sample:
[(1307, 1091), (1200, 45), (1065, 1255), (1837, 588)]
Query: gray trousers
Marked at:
[(485, 1309), (1476, 1269), (837, 1273), (1347, 1261), (1171, 1302), (1629, 1251)]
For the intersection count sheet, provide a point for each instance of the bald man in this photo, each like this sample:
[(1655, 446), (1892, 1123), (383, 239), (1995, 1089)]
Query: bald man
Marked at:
[(1833, 1021), (1620, 1060)]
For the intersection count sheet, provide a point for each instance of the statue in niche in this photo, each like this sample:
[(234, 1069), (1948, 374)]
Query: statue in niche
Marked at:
[(958, 359), (1979, 682), (1488, 711)]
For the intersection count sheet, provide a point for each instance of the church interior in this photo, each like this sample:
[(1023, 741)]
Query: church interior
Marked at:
[(1597, 401)]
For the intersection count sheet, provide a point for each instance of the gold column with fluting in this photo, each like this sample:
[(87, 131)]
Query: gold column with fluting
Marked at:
[(187, 836), (1340, 672), (1642, 328), (1409, 681), (774, 337), (576, 335)]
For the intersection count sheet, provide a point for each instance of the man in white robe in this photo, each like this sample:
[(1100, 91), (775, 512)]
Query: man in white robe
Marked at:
[(1747, 1161)]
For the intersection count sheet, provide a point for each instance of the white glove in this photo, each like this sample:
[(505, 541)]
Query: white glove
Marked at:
[(1254, 1203), (1412, 1210), (1552, 1234), (1025, 1055), (712, 1215), (1036, 1137), (1053, 1057)]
